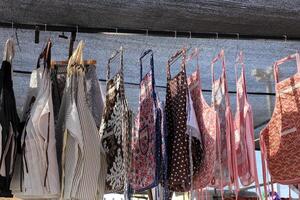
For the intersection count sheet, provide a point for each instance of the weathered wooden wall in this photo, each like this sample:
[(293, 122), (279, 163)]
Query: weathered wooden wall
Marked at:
[(262, 17)]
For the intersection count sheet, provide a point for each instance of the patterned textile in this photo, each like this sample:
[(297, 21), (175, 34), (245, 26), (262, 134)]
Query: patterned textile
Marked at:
[(244, 132), (223, 174), (209, 126), (83, 165), (184, 150), (178, 147), (114, 132), (280, 139), (146, 137), (163, 187), (93, 97)]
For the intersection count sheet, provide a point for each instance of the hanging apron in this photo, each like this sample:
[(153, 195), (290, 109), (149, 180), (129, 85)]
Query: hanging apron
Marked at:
[(279, 140), (209, 127), (146, 136), (244, 132), (224, 172), (72, 147), (114, 129), (93, 96), (93, 90), (82, 162), (32, 92), (184, 143), (163, 190), (40, 175), (9, 122)]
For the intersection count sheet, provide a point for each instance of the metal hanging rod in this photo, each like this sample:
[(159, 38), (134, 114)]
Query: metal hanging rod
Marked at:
[(161, 33), (161, 86)]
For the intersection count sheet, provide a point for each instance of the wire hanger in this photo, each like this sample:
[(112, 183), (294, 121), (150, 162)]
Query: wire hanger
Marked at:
[(114, 55), (64, 63), (146, 42), (49, 33), (217, 50), (238, 45), (12, 30), (120, 45), (188, 44)]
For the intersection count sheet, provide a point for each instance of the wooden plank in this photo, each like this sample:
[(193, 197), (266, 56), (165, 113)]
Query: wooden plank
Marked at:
[(232, 16), (65, 62)]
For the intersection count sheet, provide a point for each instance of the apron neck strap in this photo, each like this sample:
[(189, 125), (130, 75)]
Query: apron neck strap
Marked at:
[(145, 53), (240, 62), (174, 58), (112, 58), (46, 56), (295, 56)]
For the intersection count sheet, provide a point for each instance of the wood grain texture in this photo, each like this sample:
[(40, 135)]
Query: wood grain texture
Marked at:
[(267, 17)]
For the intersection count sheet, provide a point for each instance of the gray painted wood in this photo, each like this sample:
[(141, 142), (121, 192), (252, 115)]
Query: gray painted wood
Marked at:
[(267, 17)]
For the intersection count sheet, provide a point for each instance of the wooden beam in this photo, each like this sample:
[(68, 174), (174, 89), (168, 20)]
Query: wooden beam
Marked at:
[(265, 18)]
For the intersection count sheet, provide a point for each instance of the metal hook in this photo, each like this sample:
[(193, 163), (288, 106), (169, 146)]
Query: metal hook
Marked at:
[(76, 29), (189, 39), (116, 30), (45, 27), (238, 36), (175, 34), (146, 43), (285, 38), (237, 46), (12, 29)]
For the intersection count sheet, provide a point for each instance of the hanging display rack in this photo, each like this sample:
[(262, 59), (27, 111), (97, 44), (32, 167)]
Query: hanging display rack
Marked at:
[(165, 33), (159, 33)]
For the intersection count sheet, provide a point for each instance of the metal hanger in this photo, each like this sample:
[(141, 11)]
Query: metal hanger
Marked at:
[(217, 50), (146, 42), (238, 44)]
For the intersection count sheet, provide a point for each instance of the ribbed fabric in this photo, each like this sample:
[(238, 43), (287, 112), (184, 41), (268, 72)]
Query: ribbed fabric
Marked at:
[(82, 161), (89, 182), (72, 162), (93, 96)]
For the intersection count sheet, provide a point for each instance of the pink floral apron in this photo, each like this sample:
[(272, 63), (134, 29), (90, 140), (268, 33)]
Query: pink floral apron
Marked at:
[(244, 132), (224, 167), (146, 135), (209, 127)]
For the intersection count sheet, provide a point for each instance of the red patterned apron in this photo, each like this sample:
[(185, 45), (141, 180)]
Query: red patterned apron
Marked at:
[(209, 126), (244, 132), (280, 139), (224, 168), (146, 138)]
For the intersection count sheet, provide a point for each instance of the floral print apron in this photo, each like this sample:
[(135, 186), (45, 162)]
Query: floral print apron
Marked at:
[(209, 127), (279, 140), (114, 129), (224, 168), (146, 136), (244, 132)]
